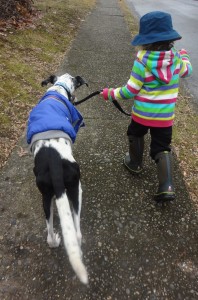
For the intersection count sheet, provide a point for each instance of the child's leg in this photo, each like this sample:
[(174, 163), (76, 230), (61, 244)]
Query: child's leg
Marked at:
[(133, 160), (160, 140), (161, 152)]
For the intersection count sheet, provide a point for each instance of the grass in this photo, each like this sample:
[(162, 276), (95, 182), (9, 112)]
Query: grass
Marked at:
[(185, 133), (27, 56)]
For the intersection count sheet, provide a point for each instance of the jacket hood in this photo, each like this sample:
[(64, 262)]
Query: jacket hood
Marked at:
[(160, 63)]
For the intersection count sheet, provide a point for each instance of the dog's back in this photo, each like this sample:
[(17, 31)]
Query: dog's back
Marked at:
[(58, 174)]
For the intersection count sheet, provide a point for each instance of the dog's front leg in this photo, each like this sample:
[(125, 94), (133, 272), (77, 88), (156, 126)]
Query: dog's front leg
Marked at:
[(53, 238)]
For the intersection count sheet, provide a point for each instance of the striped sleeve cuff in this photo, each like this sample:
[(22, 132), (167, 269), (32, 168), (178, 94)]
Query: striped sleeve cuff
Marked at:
[(107, 94)]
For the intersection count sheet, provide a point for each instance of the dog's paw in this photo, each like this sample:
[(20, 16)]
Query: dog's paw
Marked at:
[(54, 241)]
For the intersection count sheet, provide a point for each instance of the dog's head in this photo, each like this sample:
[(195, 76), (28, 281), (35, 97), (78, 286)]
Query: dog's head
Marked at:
[(64, 84)]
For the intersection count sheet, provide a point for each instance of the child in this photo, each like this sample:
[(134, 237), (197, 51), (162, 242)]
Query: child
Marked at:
[(153, 83)]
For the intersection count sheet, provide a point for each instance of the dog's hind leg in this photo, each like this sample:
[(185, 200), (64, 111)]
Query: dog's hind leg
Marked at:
[(75, 196), (53, 238), (77, 214)]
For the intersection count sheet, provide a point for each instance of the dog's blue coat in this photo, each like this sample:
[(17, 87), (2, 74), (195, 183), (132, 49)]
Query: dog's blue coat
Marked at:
[(51, 114)]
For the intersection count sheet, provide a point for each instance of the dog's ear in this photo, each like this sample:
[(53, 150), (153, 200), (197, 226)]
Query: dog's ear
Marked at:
[(80, 81), (51, 79)]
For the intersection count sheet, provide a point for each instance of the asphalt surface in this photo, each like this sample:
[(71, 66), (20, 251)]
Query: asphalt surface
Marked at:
[(132, 248), (185, 20)]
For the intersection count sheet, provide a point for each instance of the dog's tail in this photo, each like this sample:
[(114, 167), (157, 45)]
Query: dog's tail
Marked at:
[(66, 219), (70, 238)]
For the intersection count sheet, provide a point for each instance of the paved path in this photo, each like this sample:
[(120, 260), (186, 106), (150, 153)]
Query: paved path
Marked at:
[(132, 249), (185, 21)]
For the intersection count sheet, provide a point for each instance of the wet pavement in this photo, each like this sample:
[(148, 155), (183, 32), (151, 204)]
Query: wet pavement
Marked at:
[(132, 248)]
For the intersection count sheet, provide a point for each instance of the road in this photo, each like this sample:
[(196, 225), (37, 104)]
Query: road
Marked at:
[(185, 21)]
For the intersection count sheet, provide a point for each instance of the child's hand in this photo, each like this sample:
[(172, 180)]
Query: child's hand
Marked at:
[(104, 93), (183, 51)]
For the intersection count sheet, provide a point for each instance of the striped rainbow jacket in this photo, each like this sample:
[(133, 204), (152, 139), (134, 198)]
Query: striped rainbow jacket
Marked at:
[(154, 83)]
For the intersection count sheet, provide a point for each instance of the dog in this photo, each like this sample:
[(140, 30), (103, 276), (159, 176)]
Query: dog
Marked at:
[(52, 127)]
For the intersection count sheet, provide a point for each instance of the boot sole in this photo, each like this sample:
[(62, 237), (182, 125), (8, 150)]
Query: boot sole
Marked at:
[(130, 170), (164, 197)]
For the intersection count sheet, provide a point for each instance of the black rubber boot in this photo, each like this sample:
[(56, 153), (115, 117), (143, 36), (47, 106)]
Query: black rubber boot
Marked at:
[(164, 169), (133, 160)]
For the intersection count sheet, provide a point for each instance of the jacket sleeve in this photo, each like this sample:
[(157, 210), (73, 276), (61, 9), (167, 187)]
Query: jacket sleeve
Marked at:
[(132, 87), (185, 65)]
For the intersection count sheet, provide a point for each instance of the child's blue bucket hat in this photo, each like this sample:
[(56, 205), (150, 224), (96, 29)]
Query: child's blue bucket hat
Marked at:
[(155, 27)]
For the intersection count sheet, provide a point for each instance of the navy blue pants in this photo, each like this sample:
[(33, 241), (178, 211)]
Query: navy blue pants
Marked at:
[(160, 136)]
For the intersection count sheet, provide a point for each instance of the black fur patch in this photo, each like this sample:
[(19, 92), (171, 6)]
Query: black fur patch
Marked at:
[(54, 176)]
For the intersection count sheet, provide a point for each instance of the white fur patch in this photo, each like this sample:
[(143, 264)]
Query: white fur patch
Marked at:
[(39, 144), (63, 147), (53, 240)]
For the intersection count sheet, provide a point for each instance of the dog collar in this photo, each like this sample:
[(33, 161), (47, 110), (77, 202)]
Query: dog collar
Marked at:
[(66, 89)]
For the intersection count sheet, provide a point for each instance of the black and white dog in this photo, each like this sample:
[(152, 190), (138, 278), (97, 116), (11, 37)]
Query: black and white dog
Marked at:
[(52, 127)]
